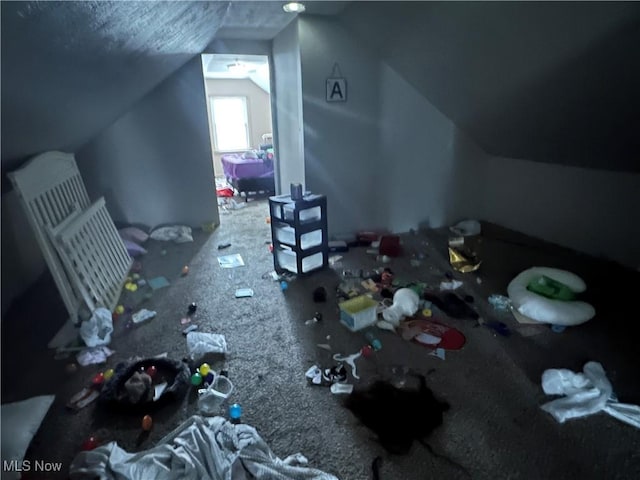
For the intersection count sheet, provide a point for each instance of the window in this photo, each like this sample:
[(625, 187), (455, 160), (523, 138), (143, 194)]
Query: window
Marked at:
[(230, 124)]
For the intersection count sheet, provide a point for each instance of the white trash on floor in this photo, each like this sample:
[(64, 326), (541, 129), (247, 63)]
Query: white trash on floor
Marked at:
[(200, 343), (585, 394), (405, 304), (97, 330), (173, 233)]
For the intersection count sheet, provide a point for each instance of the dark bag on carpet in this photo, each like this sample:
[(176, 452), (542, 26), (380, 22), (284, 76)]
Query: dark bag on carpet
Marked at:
[(452, 305), (122, 393)]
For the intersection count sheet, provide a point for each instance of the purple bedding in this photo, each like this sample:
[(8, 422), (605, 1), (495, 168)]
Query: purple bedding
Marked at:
[(235, 166)]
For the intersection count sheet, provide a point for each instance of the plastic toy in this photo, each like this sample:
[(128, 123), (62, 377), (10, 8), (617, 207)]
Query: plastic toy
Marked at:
[(196, 379), (147, 423), (366, 351), (204, 369), (89, 444), (235, 411), (98, 379)]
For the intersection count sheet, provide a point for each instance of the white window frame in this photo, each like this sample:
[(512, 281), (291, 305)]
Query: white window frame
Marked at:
[(245, 102)]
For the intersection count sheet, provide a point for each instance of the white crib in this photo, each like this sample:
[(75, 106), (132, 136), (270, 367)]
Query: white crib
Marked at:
[(79, 241)]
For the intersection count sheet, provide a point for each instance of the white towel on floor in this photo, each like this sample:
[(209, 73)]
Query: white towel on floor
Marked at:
[(585, 394), (199, 449)]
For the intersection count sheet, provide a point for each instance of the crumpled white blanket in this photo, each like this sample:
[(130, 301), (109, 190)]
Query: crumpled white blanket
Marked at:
[(199, 449), (585, 394), (175, 233)]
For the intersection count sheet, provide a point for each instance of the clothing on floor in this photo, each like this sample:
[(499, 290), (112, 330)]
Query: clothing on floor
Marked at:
[(199, 449)]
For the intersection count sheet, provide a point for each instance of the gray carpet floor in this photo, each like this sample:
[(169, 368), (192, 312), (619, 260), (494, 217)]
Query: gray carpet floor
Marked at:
[(494, 429)]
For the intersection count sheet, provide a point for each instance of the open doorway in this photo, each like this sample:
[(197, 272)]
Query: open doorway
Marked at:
[(238, 98)]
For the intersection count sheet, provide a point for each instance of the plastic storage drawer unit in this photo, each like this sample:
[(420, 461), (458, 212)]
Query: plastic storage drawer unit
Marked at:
[(299, 233)]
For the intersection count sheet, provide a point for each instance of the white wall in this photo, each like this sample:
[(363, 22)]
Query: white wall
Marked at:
[(286, 89), (154, 165), (429, 166), (589, 210), (546, 81), (341, 145), (436, 172)]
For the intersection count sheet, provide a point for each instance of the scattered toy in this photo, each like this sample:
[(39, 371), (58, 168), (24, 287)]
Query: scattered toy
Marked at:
[(196, 379), (373, 341), (89, 444), (498, 327), (147, 423), (235, 412), (316, 318), (320, 295), (432, 334), (349, 360), (98, 379), (366, 351)]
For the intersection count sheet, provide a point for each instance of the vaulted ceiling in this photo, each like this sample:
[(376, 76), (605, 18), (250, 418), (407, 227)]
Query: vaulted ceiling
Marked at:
[(69, 69), (546, 81)]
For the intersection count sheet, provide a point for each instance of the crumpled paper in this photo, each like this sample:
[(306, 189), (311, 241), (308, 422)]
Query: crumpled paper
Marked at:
[(91, 356)]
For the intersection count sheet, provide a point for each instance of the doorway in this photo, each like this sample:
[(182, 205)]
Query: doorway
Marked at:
[(238, 98)]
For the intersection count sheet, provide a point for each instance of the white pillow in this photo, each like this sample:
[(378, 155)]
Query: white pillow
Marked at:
[(547, 310), (20, 422)]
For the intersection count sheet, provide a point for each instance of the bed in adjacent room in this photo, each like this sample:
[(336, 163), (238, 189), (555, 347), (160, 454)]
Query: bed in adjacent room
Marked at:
[(250, 173)]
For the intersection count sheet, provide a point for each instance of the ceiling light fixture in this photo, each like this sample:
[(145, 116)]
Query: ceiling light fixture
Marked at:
[(237, 67), (293, 7)]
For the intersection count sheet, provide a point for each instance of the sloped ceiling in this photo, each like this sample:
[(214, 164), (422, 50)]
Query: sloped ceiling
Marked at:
[(547, 81), (69, 69)]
